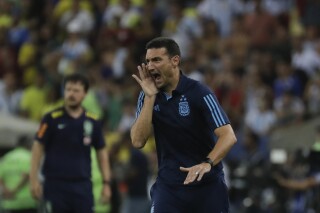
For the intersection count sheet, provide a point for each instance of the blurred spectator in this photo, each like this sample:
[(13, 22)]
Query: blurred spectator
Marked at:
[(14, 179), (255, 89), (91, 103), (33, 99), (135, 176), (112, 62), (260, 26), (190, 69), (60, 7), (114, 108), (311, 36), (7, 54), (77, 16), (249, 175), (311, 14), (46, 40), (18, 33), (229, 89), (303, 178), (277, 8), (286, 79), (128, 115), (312, 96), (262, 120), (156, 17), (303, 184), (289, 108), (98, 10), (10, 94), (53, 99), (265, 63), (314, 154), (280, 45), (150, 25), (306, 59), (75, 52), (238, 42), (222, 12), (254, 157), (208, 47), (127, 13), (6, 18), (183, 25), (27, 59)]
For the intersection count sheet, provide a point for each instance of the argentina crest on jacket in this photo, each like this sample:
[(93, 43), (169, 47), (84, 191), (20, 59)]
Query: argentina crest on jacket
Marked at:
[(184, 109)]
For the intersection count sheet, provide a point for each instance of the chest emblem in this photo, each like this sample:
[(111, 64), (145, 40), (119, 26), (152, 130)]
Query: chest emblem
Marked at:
[(184, 108), (88, 128), (61, 126)]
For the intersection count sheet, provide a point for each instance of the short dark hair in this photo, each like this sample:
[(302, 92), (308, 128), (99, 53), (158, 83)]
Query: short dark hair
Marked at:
[(77, 77), (171, 46)]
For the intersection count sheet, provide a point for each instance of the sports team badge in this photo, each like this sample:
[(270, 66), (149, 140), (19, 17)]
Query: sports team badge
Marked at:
[(184, 108), (88, 128)]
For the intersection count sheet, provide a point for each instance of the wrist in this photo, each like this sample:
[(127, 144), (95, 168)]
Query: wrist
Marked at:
[(209, 161), (106, 182), (150, 98)]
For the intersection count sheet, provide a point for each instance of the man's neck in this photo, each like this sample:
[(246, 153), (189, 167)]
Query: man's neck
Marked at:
[(74, 112)]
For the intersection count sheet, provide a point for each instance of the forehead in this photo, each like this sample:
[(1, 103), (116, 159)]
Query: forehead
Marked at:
[(156, 52), (74, 84)]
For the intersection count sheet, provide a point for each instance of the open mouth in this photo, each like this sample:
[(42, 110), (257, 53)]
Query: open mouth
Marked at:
[(156, 76)]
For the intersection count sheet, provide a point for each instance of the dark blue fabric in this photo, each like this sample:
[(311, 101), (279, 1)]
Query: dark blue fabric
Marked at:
[(137, 183), (68, 196), (67, 147), (207, 198)]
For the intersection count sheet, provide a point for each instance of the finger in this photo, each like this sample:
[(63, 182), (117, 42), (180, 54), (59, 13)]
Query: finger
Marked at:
[(145, 70), (191, 177), (137, 78), (184, 169), (200, 176), (142, 71)]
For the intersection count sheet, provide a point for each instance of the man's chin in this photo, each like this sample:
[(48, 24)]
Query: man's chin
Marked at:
[(159, 86), (73, 106)]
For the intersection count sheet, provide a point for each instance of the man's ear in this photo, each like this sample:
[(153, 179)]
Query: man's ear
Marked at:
[(175, 60)]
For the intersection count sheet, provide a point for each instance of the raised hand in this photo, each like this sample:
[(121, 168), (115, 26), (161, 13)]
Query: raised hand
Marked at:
[(146, 81)]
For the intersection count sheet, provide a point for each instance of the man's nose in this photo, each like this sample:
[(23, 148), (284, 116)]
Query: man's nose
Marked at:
[(149, 66)]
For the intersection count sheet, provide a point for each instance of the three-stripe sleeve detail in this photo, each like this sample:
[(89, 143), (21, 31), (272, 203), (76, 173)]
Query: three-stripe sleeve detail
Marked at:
[(139, 104), (215, 110)]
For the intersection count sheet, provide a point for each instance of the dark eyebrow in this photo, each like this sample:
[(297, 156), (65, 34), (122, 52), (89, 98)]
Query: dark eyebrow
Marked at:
[(154, 59)]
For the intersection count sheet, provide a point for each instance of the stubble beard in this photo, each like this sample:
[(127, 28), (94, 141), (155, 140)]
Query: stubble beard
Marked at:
[(73, 107)]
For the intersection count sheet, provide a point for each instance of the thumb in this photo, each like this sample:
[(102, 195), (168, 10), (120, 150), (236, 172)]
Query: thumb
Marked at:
[(184, 169)]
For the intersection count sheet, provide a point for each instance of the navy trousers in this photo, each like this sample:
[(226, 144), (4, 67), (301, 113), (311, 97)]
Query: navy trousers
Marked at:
[(68, 196), (204, 198)]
